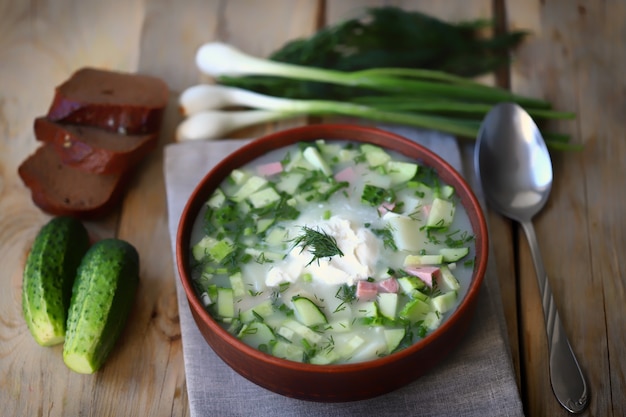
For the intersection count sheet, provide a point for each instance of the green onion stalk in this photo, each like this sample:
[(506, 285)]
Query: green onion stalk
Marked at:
[(202, 105), (416, 97)]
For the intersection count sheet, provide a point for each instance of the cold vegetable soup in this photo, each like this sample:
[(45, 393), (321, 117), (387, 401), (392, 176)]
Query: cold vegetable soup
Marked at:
[(330, 252)]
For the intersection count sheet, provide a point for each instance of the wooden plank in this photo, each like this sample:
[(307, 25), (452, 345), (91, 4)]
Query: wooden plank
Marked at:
[(268, 26), (41, 44), (456, 10), (572, 61), (256, 28)]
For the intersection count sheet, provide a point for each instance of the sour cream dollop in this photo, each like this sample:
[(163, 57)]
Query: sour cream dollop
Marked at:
[(360, 249)]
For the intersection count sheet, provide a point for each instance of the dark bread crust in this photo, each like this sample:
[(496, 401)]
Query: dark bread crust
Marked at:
[(118, 102), (61, 190), (93, 149)]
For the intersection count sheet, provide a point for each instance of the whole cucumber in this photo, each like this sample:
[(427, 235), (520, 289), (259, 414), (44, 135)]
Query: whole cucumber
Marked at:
[(49, 275), (102, 297)]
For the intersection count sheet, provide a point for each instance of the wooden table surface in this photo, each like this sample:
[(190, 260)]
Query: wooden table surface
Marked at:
[(575, 57)]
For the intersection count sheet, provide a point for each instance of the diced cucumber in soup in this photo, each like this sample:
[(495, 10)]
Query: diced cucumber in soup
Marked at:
[(303, 331), (263, 309), (312, 155), (288, 351), (325, 357), (217, 199), (225, 303), (448, 281), (343, 253), (415, 310), (263, 224), (328, 149), (307, 312), (249, 187), (453, 254), (236, 283), (368, 310), (423, 260), (444, 302), (407, 232), (441, 213), (401, 172), (393, 337), (290, 183), (388, 304), (347, 155), (238, 176), (375, 155), (446, 191), (411, 285), (263, 198), (257, 334)]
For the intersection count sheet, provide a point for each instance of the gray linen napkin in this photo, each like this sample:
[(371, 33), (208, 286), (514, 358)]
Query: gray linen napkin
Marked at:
[(477, 379)]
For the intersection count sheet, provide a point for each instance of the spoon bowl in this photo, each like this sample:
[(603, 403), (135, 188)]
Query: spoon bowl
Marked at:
[(514, 162), (514, 168)]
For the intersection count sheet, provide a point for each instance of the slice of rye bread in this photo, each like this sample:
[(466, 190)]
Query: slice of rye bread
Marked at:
[(116, 101), (92, 149), (59, 189)]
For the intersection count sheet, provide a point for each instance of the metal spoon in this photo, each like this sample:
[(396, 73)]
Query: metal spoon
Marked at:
[(514, 168)]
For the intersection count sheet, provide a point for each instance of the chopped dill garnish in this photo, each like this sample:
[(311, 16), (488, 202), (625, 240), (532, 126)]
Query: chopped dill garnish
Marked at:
[(346, 293), (319, 243), (375, 196), (329, 345), (386, 234), (247, 330), (458, 238), (469, 263), (261, 259)]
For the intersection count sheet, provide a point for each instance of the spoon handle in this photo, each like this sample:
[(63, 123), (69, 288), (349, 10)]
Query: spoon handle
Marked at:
[(568, 382)]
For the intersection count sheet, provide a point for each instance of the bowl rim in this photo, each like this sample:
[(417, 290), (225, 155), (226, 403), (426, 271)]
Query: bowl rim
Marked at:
[(265, 143)]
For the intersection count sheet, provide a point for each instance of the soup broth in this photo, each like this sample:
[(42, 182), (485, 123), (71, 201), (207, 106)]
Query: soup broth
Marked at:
[(332, 252)]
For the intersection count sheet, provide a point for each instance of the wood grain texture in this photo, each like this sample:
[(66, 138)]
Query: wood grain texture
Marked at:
[(36, 55), (575, 58)]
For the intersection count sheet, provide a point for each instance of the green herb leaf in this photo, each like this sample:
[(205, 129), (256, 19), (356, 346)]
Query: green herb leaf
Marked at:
[(319, 243), (346, 293), (375, 196), (386, 235), (386, 37)]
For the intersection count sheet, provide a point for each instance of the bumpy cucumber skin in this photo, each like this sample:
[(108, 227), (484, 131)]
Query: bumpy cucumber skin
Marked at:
[(49, 275), (102, 297)]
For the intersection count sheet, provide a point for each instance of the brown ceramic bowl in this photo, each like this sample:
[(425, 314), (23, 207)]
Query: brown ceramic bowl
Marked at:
[(346, 382)]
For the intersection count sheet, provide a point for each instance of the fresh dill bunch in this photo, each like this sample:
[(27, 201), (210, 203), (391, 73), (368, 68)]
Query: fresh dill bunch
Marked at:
[(386, 37), (318, 242)]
